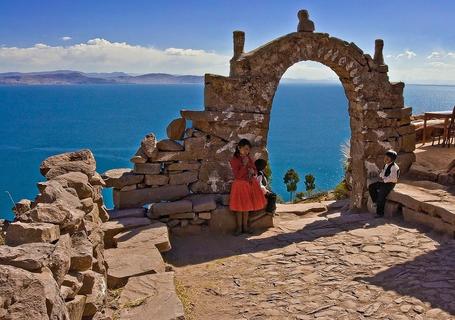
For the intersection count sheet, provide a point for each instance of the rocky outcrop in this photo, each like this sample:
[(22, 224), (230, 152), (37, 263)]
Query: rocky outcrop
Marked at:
[(52, 266)]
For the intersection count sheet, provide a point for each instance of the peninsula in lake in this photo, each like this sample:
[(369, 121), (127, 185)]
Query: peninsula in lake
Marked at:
[(69, 77)]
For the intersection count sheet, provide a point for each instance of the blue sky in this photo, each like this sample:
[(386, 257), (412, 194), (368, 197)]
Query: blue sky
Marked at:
[(125, 35)]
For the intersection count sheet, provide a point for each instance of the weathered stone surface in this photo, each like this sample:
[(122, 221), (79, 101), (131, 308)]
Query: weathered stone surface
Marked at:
[(60, 260), (186, 177), (302, 208), (30, 256), (22, 206), (187, 215), (27, 295), (205, 215), (111, 228), (78, 181), (222, 220), (147, 168), (265, 221), (148, 144), (157, 291), (184, 165), (176, 129), (20, 233), (124, 263), (78, 161), (140, 197), (127, 213), (139, 156), (81, 252), (204, 203), (52, 191), (75, 307), (156, 180), (119, 178), (169, 145), (73, 283), (155, 234), (166, 208), (96, 299)]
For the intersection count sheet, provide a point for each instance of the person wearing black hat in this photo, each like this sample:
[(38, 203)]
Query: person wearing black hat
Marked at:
[(388, 178)]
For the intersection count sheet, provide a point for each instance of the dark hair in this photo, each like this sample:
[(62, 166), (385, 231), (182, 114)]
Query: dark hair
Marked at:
[(260, 164), (391, 154), (242, 143)]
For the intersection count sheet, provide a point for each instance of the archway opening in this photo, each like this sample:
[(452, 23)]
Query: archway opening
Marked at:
[(309, 128)]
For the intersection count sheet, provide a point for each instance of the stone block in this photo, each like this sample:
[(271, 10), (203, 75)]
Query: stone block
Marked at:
[(148, 145), (392, 209), (127, 213), (124, 263), (81, 252), (111, 228), (155, 234), (222, 220), (184, 166), (176, 129), (75, 307), (140, 197), (204, 203), (158, 296), (147, 168), (20, 233), (167, 208), (169, 145), (156, 180), (119, 178), (205, 215), (180, 216), (183, 178), (96, 299)]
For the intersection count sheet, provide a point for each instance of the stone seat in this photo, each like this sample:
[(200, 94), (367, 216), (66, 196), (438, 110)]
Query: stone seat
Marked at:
[(426, 203), (154, 235)]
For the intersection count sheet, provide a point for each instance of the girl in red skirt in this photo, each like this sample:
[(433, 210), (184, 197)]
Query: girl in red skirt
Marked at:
[(246, 194)]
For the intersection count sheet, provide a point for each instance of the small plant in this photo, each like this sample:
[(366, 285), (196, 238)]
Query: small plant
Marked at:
[(291, 179), (310, 183), (341, 191)]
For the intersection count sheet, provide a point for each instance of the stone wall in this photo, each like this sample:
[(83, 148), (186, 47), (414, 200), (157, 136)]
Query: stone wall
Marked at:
[(175, 175), (52, 266)]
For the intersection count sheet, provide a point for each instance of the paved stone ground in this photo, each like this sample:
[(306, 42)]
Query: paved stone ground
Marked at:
[(333, 267)]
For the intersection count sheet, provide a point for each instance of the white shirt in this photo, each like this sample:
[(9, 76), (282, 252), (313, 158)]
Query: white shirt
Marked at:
[(393, 176), (261, 181)]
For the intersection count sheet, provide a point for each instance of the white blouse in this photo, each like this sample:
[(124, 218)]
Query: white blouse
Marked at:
[(393, 176)]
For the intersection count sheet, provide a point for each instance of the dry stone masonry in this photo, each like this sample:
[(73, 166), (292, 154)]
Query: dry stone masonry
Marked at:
[(185, 179), (52, 266)]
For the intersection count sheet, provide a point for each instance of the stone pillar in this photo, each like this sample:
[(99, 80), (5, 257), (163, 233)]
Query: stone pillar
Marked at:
[(378, 56), (239, 43)]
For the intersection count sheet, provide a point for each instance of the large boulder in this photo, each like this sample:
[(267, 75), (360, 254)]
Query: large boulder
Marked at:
[(119, 178), (29, 256), (158, 296), (25, 295), (20, 233), (77, 161), (52, 191)]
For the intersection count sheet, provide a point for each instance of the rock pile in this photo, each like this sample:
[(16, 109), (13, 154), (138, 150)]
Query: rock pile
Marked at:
[(52, 266), (185, 179)]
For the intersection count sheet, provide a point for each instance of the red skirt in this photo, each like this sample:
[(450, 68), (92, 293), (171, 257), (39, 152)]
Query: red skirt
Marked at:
[(246, 196)]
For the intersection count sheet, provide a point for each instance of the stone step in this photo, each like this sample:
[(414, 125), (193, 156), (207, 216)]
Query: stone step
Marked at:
[(157, 295), (124, 263), (425, 203), (154, 235), (111, 228), (301, 208)]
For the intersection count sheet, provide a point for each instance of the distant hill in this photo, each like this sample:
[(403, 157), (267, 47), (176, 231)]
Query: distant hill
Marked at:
[(69, 77)]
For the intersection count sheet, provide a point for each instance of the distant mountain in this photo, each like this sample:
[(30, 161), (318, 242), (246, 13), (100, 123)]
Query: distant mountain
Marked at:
[(69, 77)]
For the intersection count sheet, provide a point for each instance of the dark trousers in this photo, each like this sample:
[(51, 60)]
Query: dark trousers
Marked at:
[(378, 193), (271, 202)]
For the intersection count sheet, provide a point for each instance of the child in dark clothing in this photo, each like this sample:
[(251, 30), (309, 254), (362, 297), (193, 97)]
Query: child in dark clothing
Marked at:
[(261, 164)]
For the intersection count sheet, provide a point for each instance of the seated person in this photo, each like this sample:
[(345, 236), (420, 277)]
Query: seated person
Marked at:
[(261, 164)]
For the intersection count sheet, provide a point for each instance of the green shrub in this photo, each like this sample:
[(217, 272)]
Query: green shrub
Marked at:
[(341, 191)]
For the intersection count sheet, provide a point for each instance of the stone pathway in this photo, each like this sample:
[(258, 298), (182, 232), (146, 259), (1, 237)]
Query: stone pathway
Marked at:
[(332, 267)]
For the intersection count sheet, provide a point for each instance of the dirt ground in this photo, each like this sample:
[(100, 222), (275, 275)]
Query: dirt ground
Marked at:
[(334, 266)]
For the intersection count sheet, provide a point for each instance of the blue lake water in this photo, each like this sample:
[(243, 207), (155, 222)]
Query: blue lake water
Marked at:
[(309, 123)]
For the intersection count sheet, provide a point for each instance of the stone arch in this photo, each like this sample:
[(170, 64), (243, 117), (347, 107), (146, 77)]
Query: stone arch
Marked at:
[(378, 118)]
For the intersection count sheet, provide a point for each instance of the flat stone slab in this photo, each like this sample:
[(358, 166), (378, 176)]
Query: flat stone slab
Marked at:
[(119, 178), (301, 208), (30, 256), (151, 296), (204, 203), (124, 263), (167, 208), (154, 235), (111, 228), (116, 214)]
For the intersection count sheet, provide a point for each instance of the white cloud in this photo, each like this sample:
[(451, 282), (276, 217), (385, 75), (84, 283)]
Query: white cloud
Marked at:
[(409, 54), (66, 38), (101, 55), (451, 54), (435, 55)]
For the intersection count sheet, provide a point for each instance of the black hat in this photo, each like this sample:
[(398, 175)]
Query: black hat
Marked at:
[(391, 154)]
